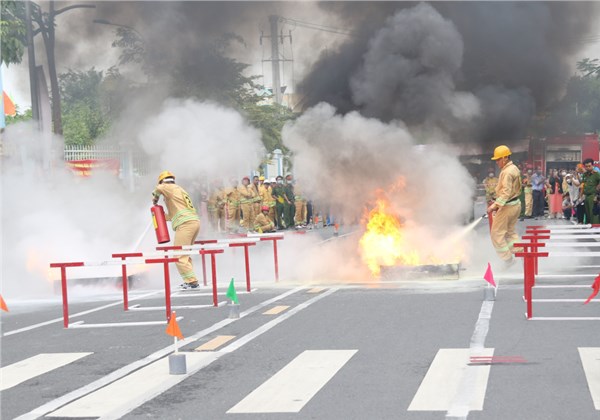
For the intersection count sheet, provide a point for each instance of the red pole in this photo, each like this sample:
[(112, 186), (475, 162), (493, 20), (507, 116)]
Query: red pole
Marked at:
[(247, 259), (527, 282), (213, 262), (276, 260), (167, 290), (204, 269), (125, 297), (63, 281)]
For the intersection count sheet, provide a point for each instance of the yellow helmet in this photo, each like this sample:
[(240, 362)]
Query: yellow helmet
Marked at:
[(500, 152), (165, 174), (261, 178)]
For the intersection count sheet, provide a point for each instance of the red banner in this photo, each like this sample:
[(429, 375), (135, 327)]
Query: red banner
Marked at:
[(85, 167)]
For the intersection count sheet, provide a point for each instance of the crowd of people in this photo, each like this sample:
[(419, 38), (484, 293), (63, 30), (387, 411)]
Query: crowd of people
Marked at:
[(256, 205), (566, 194)]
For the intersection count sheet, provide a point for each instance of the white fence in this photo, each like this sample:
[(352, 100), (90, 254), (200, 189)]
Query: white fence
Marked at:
[(131, 158)]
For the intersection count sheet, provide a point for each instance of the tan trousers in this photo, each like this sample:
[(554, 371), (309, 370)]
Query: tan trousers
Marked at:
[(300, 216), (528, 203), (247, 215), (503, 232), (232, 214), (186, 234)]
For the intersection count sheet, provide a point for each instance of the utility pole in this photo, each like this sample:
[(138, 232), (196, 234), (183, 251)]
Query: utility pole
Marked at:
[(31, 58), (273, 20)]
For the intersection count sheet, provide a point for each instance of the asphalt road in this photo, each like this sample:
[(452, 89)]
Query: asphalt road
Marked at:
[(376, 348)]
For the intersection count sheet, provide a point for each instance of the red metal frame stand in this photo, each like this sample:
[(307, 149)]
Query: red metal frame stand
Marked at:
[(123, 257), (165, 261), (246, 259), (63, 282), (274, 239), (213, 262), (204, 242)]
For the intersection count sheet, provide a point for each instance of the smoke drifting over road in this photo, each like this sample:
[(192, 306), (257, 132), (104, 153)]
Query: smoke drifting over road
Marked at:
[(476, 70), (355, 156)]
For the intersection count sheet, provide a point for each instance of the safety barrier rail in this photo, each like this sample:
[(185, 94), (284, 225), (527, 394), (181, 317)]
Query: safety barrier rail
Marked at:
[(540, 238), (170, 255)]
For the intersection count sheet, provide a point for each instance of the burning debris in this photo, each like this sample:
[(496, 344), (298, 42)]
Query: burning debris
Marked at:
[(393, 248)]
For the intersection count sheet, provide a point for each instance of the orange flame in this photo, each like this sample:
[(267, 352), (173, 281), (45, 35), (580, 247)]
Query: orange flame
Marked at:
[(384, 243)]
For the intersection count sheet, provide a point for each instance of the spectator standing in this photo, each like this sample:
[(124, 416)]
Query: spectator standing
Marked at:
[(591, 184), (537, 187), (555, 195)]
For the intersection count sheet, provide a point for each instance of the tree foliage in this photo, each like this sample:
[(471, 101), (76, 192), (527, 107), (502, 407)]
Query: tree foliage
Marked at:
[(207, 73), (12, 31), (84, 116), (579, 110)]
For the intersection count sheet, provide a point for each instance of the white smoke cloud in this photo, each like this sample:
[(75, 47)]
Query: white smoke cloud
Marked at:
[(55, 216), (198, 139), (341, 161)]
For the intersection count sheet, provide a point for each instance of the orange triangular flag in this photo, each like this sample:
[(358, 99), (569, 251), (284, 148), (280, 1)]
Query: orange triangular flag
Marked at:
[(3, 304), (9, 105), (173, 328)]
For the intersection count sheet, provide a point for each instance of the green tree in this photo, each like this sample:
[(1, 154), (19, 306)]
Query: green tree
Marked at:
[(579, 110), (12, 31), (19, 117), (84, 117), (270, 119)]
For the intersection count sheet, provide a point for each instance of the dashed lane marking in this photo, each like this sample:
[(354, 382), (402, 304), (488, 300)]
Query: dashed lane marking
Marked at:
[(276, 310), (215, 343)]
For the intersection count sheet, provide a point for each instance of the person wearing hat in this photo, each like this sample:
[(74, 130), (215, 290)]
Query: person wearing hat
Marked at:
[(184, 221), (247, 197), (262, 222), (278, 193), (268, 200), (232, 207), (256, 187), (506, 207)]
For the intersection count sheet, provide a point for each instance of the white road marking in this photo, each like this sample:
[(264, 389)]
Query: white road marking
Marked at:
[(590, 359), (24, 370), (81, 324), (443, 380), (52, 321), (471, 390), (292, 387), (184, 293), (162, 308), (126, 370), (563, 318), (151, 380)]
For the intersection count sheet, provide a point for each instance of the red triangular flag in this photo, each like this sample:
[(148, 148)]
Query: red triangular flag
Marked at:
[(596, 287), (489, 276), (173, 328), (3, 304)]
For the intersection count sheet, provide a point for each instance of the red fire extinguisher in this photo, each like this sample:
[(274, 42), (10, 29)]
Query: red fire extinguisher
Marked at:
[(160, 224)]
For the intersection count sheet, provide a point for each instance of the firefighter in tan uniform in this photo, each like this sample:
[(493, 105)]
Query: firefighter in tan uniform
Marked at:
[(263, 223), (528, 190), (231, 197), (507, 206), (267, 197), (256, 186), (247, 197), (184, 221), (301, 207)]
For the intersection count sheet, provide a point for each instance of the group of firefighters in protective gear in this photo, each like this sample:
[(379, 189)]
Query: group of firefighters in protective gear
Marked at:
[(258, 206)]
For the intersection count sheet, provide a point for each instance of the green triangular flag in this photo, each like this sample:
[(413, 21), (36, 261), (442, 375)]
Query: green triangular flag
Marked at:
[(231, 294)]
